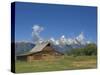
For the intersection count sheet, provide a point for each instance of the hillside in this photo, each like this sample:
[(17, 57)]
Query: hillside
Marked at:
[(23, 47)]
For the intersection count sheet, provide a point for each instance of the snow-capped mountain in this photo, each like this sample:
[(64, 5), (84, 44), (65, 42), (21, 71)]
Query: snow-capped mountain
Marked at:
[(64, 44)]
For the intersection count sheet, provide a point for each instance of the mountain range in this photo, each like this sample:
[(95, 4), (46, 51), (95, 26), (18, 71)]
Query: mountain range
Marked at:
[(63, 44), (23, 47)]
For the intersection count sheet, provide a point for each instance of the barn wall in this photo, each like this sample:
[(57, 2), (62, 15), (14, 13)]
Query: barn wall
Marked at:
[(37, 56), (48, 53), (51, 51), (47, 57), (29, 58)]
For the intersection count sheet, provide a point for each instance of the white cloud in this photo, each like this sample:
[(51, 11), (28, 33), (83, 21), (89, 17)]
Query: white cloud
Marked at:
[(36, 29)]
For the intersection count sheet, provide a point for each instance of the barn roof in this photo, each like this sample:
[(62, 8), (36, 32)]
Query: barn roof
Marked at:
[(37, 48)]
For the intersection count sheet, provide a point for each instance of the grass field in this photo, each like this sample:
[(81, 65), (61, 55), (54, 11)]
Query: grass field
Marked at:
[(66, 63)]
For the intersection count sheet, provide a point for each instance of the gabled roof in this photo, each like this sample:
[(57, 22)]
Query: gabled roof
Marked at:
[(38, 48)]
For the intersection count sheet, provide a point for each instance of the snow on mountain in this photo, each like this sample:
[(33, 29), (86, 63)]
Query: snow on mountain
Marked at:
[(80, 38), (69, 41), (64, 44)]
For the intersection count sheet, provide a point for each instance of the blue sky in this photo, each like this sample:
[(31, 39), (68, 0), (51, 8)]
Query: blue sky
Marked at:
[(57, 20)]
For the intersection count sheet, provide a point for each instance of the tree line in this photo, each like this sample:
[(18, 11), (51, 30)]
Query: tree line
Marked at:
[(88, 50)]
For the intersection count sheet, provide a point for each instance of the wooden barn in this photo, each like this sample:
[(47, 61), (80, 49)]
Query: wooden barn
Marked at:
[(42, 51)]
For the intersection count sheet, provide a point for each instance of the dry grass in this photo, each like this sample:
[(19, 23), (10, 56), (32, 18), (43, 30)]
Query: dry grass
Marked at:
[(66, 63)]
